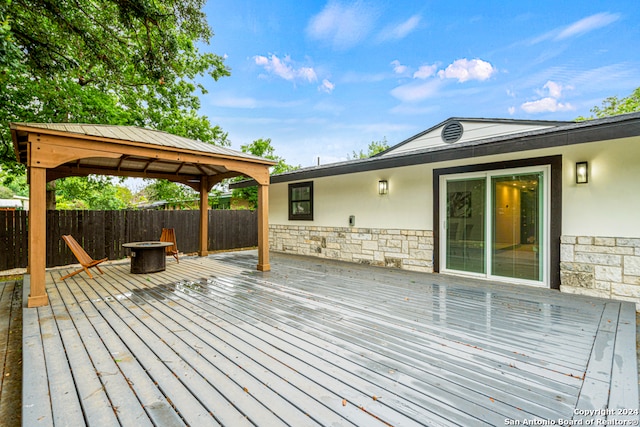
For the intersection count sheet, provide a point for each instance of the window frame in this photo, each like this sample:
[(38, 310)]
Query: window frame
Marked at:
[(297, 216)]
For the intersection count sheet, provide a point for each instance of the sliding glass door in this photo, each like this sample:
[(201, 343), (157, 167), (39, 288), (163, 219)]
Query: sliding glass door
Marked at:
[(495, 224), (465, 206)]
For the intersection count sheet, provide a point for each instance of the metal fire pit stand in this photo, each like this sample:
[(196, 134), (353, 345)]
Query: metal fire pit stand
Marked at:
[(147, 257)]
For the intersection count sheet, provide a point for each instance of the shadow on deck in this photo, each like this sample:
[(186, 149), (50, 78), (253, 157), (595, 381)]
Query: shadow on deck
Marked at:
[(212, 341)]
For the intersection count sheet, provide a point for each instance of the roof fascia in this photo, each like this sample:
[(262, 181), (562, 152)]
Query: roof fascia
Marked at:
[(616, 127)]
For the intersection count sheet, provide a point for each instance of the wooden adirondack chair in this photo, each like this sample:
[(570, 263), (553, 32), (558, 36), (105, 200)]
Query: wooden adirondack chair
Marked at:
[(169, 235), (81, 255)]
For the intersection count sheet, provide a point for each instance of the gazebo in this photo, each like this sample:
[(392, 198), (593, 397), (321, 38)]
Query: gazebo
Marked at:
[(57, 150)]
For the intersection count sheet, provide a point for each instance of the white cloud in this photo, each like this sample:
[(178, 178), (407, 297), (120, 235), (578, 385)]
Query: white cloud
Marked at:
[(307, 73), (551, 92), (555, 89), (545, 105), (465, 69), (398, 68), (588, 24), (343, 26), (425, 71), (578, 28), (400, 31), (284, 69), (326, 86), (415, 92), (512, 111)]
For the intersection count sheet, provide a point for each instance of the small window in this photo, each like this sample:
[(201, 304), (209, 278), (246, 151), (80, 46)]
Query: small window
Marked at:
[(301, 201)]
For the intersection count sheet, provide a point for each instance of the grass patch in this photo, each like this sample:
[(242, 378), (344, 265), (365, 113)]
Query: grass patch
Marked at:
[(10, 277)]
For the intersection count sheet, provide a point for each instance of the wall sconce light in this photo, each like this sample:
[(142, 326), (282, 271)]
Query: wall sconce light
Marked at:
[(383, 187), (582, 172)]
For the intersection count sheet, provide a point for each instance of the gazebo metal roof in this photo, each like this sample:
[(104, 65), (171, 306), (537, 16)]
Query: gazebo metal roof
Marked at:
[(132, 151)]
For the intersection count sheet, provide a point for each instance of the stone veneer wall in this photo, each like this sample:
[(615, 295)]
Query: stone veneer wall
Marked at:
[(406, 249), (607, 267)]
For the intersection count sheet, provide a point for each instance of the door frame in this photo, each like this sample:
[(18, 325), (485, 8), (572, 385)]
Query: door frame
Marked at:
[(555, 205), (489, 216)]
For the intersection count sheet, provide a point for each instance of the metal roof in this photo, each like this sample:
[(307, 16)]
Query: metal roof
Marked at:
[(70, 149), (140, 135), (565, 133)]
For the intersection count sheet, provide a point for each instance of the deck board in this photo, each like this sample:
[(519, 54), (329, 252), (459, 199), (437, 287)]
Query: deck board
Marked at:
[(252, 348), (151, 399), (211, 341), (399, 349), (36, 405), (148, 351), (81, 338)]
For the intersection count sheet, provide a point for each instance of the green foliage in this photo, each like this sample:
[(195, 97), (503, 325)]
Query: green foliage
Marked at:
[(5, 192), (261, 148), (613, 106), (92, 193), (374, 148), (17, 183), (105, 61), (163, 190), (10, 53), (109, 40)]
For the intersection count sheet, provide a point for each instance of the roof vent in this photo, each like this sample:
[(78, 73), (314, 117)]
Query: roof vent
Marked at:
[(452, 132)]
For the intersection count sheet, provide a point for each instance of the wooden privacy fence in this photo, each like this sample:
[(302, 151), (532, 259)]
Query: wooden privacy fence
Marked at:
[(102, 233)]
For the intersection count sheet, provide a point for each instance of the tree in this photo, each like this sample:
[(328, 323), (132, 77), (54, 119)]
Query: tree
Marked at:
[(5, 192), (94, 193), (261, 148), (374, 148), (105, 61), (162, 190), (613, 106), (16, 183)]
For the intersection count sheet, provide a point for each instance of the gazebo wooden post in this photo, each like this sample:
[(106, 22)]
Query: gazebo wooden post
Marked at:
[(37, 237), (263, 227), (204, 217)]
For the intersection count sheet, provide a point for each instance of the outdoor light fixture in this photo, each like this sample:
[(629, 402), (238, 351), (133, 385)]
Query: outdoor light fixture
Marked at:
[(383, 187), (582, 172)]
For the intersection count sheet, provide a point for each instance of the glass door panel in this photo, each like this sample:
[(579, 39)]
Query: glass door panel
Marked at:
[(465, 225), (517, 226)]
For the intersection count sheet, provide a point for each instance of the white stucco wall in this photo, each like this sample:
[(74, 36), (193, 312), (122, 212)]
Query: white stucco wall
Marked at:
[(609, 205), (408, 204)]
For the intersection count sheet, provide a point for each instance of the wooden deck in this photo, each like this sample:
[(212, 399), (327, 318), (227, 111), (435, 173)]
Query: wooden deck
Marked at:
[(212, 341)]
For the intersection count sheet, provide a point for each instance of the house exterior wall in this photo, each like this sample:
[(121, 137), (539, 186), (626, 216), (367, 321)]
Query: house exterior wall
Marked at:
[(337, 197), (607, 267), (600, 248), (399, 248)]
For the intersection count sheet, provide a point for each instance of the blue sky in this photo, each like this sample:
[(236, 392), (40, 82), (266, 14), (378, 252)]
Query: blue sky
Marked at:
[(325, 78)]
